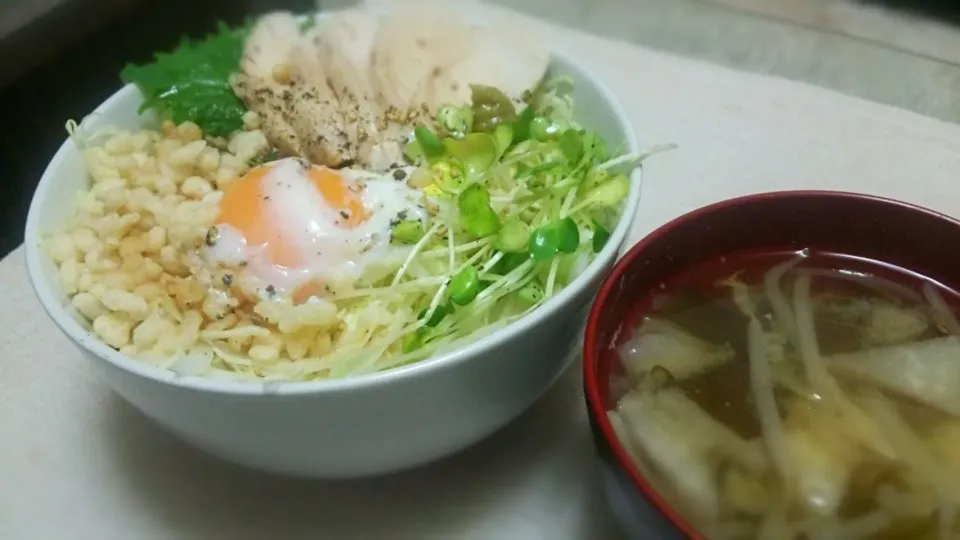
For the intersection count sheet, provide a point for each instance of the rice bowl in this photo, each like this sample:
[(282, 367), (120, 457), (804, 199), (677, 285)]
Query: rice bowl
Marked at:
[(215, 413)]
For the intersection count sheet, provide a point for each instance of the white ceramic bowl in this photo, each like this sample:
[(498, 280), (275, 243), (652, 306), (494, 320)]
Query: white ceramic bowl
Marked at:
[(351, 427)]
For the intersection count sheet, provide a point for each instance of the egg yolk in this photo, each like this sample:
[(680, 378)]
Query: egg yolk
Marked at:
[(245, 208)]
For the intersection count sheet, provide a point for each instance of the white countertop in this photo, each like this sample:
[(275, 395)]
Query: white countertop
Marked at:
[(76, 462)]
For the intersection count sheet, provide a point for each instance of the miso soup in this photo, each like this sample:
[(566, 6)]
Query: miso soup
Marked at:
[(797, 396)]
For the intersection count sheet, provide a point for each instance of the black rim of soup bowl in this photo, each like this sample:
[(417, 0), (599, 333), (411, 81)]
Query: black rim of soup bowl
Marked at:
[(843, 222)]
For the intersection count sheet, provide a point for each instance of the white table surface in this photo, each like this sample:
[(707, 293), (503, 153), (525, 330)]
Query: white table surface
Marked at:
[(76, 462)]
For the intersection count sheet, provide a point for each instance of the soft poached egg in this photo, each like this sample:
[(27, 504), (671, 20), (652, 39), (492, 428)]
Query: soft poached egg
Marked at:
[(300, 229)]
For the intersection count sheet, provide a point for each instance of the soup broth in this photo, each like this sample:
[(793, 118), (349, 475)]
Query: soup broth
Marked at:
[(796, 395)]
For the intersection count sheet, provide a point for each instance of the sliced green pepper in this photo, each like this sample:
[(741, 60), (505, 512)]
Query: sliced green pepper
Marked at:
[(526, 172), (571, 145), (610, 192), (531, 293), (521, 127), (513, 237), (600, 236), (503, 135), (456, 121), (408, 231), (430, 144), (490, 108), (509, 262), (438, 314), (475, 152), (412, 151), (543, 128), (476, 216), (414, 340), (448, 177), (594, 144)]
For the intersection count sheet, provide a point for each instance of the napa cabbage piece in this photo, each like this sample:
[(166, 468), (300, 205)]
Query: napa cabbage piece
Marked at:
[(684, 444), (944, 441), (745, 493), (877, 320), (820, 379), (676, 452), (917, 458), (661, 343), (926, 371), (857, 528), (889, 323), (822, 458), (730, 530)]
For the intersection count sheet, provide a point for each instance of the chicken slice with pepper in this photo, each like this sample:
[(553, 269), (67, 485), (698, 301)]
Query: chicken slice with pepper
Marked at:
[(299, 112)]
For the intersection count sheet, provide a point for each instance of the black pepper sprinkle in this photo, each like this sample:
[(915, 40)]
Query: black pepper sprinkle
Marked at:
[(243, 263), (402, 215), (271, 290), (399, 174), (344, 214), (212, 236), (227, 279)]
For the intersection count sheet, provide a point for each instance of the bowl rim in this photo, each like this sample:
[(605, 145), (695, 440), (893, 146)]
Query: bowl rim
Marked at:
[(596, 406), (55, 306)]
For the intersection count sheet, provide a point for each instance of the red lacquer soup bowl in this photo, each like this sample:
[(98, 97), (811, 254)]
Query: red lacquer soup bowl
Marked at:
[(856, 225)]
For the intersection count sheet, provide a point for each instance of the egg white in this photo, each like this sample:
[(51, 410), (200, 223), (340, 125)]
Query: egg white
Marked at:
[(331, 253)]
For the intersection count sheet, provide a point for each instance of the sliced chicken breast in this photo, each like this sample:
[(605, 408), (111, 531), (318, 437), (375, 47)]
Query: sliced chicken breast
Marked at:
[(285, 84), (504, 56), (409, 46)]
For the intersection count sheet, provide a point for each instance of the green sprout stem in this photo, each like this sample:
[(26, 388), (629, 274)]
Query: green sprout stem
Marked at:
[(552, 278), (635, 158), (405, 287), (491, 263), (413, 253)]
